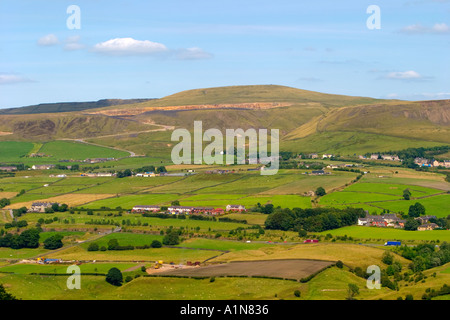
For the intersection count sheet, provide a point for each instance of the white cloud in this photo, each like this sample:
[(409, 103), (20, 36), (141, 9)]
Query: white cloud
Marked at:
[(437, 28), (48, 40), (129, 46), (193, 54), (406, 75), (11, 78), (72, 43)]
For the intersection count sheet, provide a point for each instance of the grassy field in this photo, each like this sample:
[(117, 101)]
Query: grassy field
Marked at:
[(62, 268), (436, 205), (12, 151), (79, 151), (375, 233)]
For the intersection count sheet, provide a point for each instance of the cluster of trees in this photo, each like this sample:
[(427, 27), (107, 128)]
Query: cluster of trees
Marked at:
[(151, 169), (16, 224), (19, 212), (56, 207), (426, 256), (312, 220), (27, 239), (4, 202), (129, 173), (266, 209), (347, 169), (172, 237), (54, 242)]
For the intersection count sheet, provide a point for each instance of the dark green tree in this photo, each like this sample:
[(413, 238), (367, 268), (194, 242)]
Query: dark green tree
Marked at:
[(53, 242), (416, 210), (114, 277), (320, 191), (5, 295)]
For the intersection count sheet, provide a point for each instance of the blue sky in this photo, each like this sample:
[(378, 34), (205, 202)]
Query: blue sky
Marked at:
[(150, 49)]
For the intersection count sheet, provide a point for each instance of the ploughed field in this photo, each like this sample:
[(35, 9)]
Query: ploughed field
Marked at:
[(295, 269)]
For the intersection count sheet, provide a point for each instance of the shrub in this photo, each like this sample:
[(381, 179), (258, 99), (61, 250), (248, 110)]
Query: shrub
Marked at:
[(156, 244), (297, 293), (93, 247)]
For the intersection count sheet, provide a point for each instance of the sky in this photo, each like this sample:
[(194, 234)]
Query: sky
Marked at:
[(86, 50)]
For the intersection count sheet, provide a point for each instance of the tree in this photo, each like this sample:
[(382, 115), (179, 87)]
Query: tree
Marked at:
[(320, 191), (5, 295), (53, 242), (406, 194), (172, 238), (387, 258), (416, 210), (113, 244), (161, 169), (411, 224), (156, 244), (353, 290), (175, 203), (4, 202), (114, 277)]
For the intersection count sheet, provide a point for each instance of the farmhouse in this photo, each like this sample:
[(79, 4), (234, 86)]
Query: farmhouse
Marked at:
[(425, 219), (40, 206), (374, 156), (428, 226), (42, 166), (180, 209), (234, 207), (313, 155), (390, 157), (327, 155), (8, 168), (140, 209), (318, 172), (387, 220)]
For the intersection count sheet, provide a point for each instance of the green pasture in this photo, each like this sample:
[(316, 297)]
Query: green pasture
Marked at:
[(79, 151), (13, 151), (393, 189), (129, 201), (62, 268), (125, 239), (374, 233), (436, 205), (349, 197)]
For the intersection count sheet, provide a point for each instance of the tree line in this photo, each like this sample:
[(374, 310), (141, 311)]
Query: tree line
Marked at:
[(313, 220)]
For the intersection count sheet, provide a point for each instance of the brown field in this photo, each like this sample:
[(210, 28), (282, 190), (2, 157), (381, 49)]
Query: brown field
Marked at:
[(7, 195), (352, 255), (71, 200), (286, 269)]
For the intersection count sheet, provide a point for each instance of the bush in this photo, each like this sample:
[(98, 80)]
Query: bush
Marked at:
[(156, 244), (297, 293), (93, 247), (128, 278), (340, 264)]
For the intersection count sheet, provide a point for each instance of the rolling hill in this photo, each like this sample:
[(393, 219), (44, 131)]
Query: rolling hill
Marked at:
[(308, 121)]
